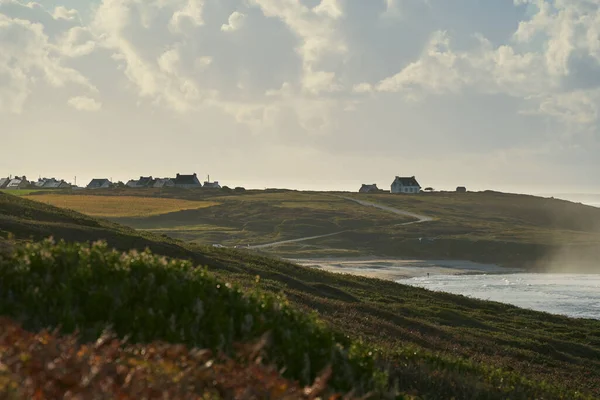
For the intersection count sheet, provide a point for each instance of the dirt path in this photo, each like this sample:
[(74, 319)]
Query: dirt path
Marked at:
[(304, 239), (419, 219)]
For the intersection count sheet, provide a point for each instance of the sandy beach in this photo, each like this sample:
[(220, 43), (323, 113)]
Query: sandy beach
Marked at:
[(395, 269)]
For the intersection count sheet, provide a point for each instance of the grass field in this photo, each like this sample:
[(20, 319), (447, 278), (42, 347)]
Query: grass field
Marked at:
[(121, 206), (512, 230), (25, 192), (433, 345), (228, 220)]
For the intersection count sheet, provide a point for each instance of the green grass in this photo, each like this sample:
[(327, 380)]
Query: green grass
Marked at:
[(511, 230), (508, 229), (147, 298), (25, 192), (253, 218), (434, 344)]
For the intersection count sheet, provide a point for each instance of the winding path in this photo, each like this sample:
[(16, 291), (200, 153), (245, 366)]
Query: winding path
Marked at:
[(419, 219)]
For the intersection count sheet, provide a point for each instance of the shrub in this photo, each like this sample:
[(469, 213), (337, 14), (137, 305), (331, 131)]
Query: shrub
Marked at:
[(87, 288), (46, 365)]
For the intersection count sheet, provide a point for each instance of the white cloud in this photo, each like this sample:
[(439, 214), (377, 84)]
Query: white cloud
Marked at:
[(437, 71), (329, 8), (61, 12), (321, 44), (320, 81), (156, 73), (234, 23), (77, 42), (327, 75), (578, 108), (83, 103), (190, 12), (28, 58), (363, 88)]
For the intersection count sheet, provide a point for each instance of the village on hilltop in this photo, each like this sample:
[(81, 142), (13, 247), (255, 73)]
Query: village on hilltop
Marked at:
[(400, 185), (180, 181), (406, 185)]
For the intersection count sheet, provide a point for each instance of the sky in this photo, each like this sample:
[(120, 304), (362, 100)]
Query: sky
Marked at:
[(307, 94)]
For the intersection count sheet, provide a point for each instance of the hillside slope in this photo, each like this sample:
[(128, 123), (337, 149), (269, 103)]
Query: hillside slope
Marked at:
[(507, 229), (432, 341)]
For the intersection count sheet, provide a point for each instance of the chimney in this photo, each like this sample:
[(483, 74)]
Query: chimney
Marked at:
[(194, 174), (178, 175)]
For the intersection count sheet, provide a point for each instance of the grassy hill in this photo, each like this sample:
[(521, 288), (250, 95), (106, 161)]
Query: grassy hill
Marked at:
[(431, 344), (490, 227), (250, 218)]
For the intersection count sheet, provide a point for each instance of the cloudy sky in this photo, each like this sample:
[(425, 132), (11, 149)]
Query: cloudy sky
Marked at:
[(492, 94)]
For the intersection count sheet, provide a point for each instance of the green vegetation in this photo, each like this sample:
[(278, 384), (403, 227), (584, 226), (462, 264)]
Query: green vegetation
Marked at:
[(508, 229), (511, 230), (237, 219), (150, 298), (490, 227), (25, 192), (432, 345)]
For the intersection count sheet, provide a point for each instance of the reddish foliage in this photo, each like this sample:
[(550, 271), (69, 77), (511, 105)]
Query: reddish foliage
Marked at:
[(49, 366)]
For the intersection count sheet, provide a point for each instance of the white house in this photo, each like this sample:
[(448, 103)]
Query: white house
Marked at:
[(405, 185), (211, 185), (187, 181), (99, 184)]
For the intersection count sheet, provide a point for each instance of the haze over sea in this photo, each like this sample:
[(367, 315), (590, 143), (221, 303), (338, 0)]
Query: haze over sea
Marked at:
[(573, 295), (590, 199)]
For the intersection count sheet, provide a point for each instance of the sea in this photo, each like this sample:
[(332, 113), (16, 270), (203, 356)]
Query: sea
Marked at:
[(572, 295)]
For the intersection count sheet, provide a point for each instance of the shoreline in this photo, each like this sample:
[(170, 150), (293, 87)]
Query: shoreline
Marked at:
[(396, 269)]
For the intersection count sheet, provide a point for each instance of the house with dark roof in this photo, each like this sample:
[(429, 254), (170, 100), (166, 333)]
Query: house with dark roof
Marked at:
[(368, 188), (4, 182), (143, 182), (405, 185), (51, 183), (56, 184), (18, 182), (99, 184), (40, 182), (163, 183), (187, 181)]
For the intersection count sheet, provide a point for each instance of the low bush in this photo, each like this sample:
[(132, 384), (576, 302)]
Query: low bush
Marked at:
[(87, 288), (48, 366)]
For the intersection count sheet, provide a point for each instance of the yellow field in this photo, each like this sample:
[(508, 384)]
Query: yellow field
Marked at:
[(120, 206)]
